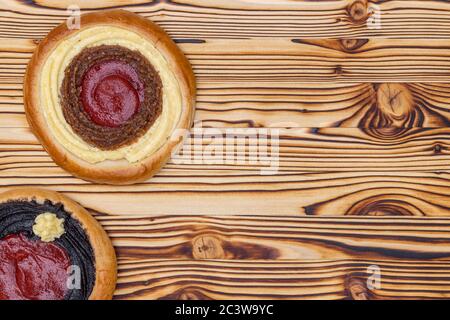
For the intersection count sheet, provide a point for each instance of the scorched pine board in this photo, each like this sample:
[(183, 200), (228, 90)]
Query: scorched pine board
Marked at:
[(363, 178)]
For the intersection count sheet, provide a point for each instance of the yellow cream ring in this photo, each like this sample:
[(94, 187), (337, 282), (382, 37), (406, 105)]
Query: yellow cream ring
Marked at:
[(42, 93)]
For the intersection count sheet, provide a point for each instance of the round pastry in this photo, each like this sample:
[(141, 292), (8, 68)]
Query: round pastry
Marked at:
[(52, 249), (106, 100)]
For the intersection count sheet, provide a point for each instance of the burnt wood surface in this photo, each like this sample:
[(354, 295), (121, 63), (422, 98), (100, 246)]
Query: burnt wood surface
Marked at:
[(363, 180)]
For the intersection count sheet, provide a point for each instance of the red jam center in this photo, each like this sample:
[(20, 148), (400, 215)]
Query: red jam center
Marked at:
[(32, 270), (111, 92)]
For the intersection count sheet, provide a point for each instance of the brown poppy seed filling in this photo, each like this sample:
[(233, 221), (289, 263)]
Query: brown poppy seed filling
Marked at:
[(110, 96)]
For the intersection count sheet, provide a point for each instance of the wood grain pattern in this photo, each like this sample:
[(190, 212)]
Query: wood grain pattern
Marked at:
[(291, 60), (320, 60), (253, 257), (324, 105), (197, 19), (297, 105), (236, 279), (278, 237), (294, 104), (364, 152), (331, 171)]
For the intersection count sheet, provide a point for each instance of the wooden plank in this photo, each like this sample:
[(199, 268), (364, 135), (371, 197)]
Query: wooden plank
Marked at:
[(277, 237), (297, 279), (321, 172), (321, 194), (300, 151), (296, 105), (324, 105), (283, 60), (247, 19)]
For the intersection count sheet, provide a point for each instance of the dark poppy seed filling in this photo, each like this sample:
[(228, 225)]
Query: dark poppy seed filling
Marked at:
[(110, 96), (32, 269)]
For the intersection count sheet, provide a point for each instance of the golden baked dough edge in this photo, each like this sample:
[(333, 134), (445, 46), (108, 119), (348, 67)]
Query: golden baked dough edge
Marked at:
[(109, 172), (105, 257)]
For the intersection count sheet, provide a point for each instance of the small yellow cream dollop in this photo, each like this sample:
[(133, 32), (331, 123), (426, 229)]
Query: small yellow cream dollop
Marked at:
[(48, 227)]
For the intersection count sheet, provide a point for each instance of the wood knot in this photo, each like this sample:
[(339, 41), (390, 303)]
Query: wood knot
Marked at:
[(395, 100), (350, 45), (187, 293), (356, 288), (207, 247), (383, 205), (357, 11), (392, 113), (383, 133), (437, 149)]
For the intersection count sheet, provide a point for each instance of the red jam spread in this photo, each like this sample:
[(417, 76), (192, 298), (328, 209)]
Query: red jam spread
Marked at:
[(111, 92), (32, 270)]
